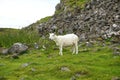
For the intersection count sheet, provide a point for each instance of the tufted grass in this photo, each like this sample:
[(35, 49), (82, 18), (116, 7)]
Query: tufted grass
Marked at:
[(9, 37), (71, 5), (94, 63)]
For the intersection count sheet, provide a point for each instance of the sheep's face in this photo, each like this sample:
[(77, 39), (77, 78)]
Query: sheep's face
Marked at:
[(51, 36)]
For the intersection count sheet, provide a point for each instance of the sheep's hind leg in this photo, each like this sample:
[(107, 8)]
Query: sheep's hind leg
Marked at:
[(73, 50), (76, 47), (60, 53)]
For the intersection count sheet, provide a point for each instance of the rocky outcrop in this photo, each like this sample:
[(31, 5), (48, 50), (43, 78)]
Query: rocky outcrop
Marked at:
[(15, 49), (99, 19)]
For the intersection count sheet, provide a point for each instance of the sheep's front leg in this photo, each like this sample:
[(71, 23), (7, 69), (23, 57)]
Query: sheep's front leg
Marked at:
[(60, 47)]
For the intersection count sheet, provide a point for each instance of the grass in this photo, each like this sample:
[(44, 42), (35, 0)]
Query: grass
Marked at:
[(72, 5), (9, 37), (92, 63), (95, 63)]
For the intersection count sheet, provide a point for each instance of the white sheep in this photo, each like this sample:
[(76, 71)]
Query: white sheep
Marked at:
[(65, 40)]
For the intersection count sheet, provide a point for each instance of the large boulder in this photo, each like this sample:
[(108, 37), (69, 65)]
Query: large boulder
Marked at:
[(18, 48)]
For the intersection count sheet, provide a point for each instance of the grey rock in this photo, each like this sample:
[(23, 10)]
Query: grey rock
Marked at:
[(15, 56), (65, 69), (3, 78), (97, 19), (25, 65), (22, 78), (115, 78), (2, 64), (77, 74), (4, 51), (36, 46), (73, 78), (114, 25), (58, 6), (116, 51), (18, 48), (88, 44), (33, 69)]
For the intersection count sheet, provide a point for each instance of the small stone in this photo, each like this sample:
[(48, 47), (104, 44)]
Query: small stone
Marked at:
[(15, 56), (3, 78), (36, 46), (65, 69), (33, 69), (43, 47), (5, 51), (73, 78), (77, 74), (114, 25), (116, 51), (115, 78), (22, 78), (2, 64), (88, 44), (25, 65)]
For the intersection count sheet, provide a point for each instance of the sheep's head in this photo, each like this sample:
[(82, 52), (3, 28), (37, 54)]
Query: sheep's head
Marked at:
[(52, 36)]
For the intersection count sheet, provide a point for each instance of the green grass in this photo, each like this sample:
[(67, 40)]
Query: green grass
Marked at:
[(72, 5), (7, 38), (96, 63)]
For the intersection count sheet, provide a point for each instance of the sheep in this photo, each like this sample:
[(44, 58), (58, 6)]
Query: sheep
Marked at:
[(65, 40)]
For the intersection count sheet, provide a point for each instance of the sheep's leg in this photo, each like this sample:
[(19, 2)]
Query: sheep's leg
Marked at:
[(60, 50), (73, 49), (76, 47)]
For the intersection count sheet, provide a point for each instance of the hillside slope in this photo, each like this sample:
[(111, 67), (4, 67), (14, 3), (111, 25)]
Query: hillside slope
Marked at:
[(89, 19), (92, 63)]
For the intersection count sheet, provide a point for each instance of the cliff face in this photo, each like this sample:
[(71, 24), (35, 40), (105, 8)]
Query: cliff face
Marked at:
[(96, 19)]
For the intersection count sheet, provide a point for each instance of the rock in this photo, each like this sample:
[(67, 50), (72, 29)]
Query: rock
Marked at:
[(2, 64), (54, 28), (116, 51), (44, 47), (25, 65), (114, 25), (15, 56), (88, 44), (18, 48), (50, 56), (65, 69), (3, 78), (58, 6), (115, 78), (4, 51), (33, 69), (77, 74), (36, 46), (22, 78), (97, 19), (73, 78)]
